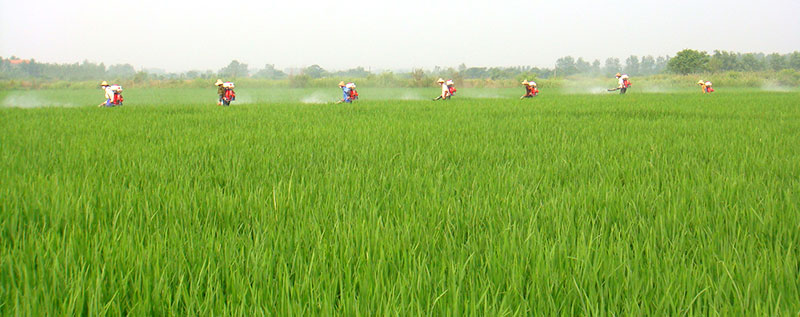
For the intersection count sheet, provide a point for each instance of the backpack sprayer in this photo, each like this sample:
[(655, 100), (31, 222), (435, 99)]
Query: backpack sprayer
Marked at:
[(229, 94)]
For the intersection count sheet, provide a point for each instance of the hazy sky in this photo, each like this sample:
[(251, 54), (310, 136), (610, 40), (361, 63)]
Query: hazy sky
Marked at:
[(185, 35)]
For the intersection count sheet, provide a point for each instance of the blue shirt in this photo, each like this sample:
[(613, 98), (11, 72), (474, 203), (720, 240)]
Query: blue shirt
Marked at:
[(346, 94)]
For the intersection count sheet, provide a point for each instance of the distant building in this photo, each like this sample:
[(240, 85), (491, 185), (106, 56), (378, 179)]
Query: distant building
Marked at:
[(19, 61)]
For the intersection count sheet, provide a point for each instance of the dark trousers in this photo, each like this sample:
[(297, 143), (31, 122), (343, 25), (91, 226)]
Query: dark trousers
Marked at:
[(622, 91)]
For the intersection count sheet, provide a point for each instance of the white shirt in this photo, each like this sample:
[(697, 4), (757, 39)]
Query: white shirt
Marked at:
[(445, 90), (621, 83), (109, 93)]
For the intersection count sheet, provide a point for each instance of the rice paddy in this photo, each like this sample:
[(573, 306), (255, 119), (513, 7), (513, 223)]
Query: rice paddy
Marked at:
[(569, 204)]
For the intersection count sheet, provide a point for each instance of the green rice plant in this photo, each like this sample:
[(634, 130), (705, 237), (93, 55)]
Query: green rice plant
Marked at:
[(568, 204)]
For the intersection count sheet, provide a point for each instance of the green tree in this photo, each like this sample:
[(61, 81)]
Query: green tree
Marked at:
[(192, 74), (270, 72), (596, 70), (299, 81), (500, 73), (120, 71), (648, 65), (565, 66), (140, 77), (661, 64), (582, 66), (776, 61), (32, 69), (315, 71), (452, 73), (385, 79), (793, 61), (529, 76), (752, 63), (689, 61), (723, 61), (358, 72), (612, 65), (475, 72), (234, 70), (632, 65), (418, 78)]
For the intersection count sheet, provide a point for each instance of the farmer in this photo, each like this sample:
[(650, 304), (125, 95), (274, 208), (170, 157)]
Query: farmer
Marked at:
[(530, 89), (109, 94), (705, 86), (445, 90), (345, 93), (220, 91), (622, 83)]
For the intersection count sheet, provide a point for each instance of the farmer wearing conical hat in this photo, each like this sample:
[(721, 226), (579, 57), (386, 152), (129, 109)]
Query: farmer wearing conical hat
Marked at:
[(527, 87), (530, 89), (220, 91), (623, 83), (445, 90), (702, 85), (345, 93), (706, 86), (109, 94)]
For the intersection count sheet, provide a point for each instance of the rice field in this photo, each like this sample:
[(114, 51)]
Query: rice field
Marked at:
[(568, 204)]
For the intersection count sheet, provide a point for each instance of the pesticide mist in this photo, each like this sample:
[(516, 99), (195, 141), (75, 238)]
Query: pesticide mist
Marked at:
[(774, 86), (30, 100), (317, 97), (411, 96), (587, 86)]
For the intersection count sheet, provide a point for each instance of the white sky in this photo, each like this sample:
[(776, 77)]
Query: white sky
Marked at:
[(180, 35)]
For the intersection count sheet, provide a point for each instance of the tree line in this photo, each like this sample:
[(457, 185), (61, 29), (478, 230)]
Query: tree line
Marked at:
[(684, 62), (690, 61)]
